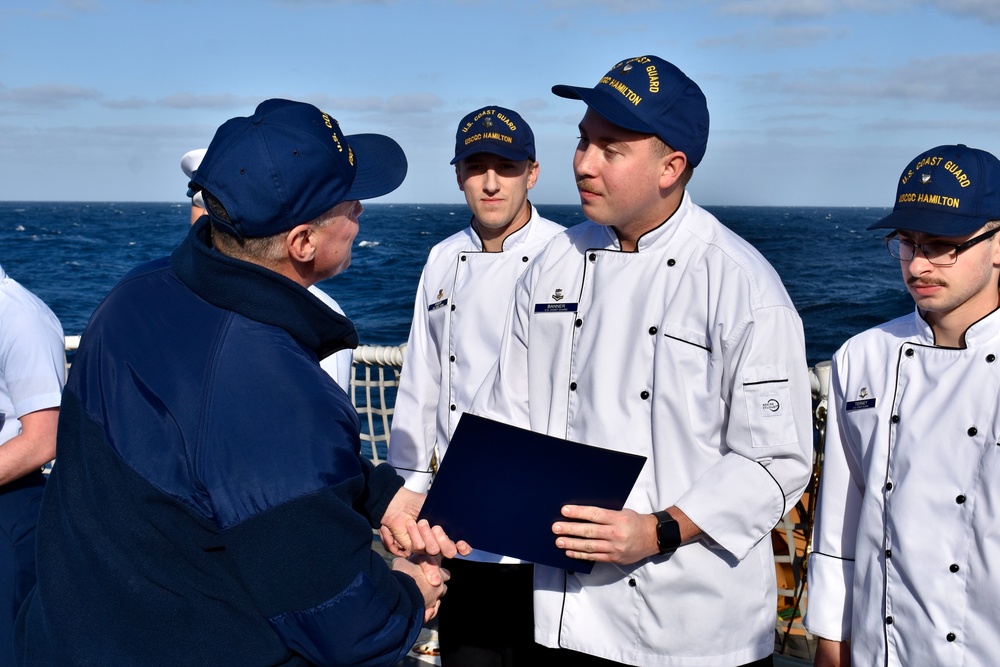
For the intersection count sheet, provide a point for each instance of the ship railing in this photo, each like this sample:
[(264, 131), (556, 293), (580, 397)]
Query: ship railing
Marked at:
[(374, 380)]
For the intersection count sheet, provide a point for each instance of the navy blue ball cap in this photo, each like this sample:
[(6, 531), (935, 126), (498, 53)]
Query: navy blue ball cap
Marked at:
[(649, 95), (497, 131), (946, 191), (289, 163)]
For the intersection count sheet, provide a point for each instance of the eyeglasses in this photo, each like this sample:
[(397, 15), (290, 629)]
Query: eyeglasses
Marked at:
[(935, 252)]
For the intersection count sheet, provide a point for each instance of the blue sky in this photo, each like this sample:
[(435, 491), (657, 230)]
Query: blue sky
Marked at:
[(813, 102)]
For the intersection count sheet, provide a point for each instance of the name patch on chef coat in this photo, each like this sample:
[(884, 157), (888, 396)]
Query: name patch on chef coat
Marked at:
[(437, 304), (556, 307), (863, 404)]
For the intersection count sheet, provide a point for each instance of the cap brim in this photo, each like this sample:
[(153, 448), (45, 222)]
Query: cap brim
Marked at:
[(505, 153), (381, 166), (607, 104), (930, 222)]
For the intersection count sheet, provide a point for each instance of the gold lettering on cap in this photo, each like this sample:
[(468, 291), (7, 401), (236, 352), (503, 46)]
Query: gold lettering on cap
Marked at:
[(654, 79), (929, 161), (623, 89), (507, 121), (956, 171)]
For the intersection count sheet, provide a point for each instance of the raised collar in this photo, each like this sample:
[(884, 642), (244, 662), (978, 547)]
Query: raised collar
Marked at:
[(512, 240), (259, 294)]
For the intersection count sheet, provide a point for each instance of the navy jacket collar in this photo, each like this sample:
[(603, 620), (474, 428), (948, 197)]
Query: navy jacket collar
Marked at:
[(259, 294)]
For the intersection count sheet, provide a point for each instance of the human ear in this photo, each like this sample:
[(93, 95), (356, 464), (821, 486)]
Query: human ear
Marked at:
[(533, 170), (299, 243), (674, 165)]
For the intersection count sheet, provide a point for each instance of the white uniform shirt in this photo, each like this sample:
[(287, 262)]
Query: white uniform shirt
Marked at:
[(458, 319), (32, 356), (340, 364), (906, 553), (688, 352)]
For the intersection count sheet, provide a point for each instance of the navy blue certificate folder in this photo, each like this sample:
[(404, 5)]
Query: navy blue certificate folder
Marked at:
[(500, 488)]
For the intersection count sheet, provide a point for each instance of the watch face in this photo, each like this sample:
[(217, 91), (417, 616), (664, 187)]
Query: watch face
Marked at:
[(668, 535)]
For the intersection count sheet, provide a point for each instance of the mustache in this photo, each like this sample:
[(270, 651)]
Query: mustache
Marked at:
[(923, 282), (582, 186)]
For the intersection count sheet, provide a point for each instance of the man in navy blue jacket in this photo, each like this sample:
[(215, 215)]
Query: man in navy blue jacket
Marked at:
[(210, 505)]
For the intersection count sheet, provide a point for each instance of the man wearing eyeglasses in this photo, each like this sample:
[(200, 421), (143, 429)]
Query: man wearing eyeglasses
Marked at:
[(907, 532)]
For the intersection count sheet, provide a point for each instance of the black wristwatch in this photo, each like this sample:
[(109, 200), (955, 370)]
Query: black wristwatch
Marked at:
[(668, 533)]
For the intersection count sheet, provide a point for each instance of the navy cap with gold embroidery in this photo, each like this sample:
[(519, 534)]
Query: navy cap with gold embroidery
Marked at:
[(497, 131), (649, 95), (289, 163), (946, 191)]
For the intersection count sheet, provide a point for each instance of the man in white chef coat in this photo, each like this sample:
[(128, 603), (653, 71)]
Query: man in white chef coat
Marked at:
[(907, 531), (454, 340), (653, 329)]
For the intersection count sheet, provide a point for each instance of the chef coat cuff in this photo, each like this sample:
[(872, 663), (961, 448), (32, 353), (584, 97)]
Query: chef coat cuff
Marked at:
[(831, 597)]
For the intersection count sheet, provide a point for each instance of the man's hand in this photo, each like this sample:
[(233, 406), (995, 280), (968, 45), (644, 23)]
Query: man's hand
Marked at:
[(431, 578), (403, 535), (606, 536)]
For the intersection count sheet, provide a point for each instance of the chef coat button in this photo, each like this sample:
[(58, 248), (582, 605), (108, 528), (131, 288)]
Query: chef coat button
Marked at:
[(452, 357), (572, 386), (644, 395), (579, 323), (990, 358), (631, 582), (909, 352), (895, 419), (524, 259), (960, 499), (454, 407), (972, 431), (954, 567), (463, 258), (888, 553), (888, 620), (888, 486), (453, 307), (950, 636), (593, 257), (652, 331), (671, 262)]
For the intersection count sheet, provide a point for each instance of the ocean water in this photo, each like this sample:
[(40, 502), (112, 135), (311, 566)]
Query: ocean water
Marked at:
[(839, 275)]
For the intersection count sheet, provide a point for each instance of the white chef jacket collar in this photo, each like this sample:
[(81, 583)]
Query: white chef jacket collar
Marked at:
[(660, 234), (512, 240), (981, 331)]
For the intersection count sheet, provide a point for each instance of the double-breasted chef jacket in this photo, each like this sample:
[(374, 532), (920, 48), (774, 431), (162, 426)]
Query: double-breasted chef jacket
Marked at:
[(688, 352), (906, 554), (458, 319)]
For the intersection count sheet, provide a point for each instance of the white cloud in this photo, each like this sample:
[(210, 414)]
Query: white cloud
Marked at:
[(57, 96), (219, 101), (985, 10), (958, 80), (770, 39)]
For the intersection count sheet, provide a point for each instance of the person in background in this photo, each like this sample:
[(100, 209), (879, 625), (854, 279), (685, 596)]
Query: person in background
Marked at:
[(653, 329), (32, 372), (340, 364), (907, 530), (210, 505), (454, 341)]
